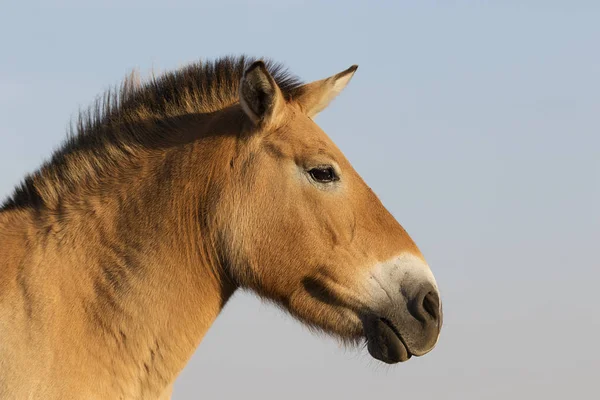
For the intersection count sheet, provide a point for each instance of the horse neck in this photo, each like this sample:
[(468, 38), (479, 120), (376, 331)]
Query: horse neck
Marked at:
[(144, 262)]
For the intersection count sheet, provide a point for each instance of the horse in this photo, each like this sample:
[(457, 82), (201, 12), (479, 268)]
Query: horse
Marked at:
[(170, 194)]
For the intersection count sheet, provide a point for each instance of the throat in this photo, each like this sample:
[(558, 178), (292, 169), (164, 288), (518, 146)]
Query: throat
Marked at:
[(149, 333)]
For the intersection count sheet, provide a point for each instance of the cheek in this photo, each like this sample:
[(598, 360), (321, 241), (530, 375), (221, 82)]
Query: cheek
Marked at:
[(286, 223), (333, 220)]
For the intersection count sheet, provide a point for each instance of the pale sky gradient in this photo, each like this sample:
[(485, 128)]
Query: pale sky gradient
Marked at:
[(476, 122)]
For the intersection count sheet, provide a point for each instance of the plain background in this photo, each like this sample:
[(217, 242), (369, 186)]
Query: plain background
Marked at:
[(476, 122)]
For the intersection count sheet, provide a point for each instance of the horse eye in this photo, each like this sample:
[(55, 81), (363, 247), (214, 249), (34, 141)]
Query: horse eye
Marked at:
[(323, 174)]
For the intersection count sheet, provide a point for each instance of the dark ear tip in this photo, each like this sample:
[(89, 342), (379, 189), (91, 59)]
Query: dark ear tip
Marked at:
[(349, 71), (256, 64)]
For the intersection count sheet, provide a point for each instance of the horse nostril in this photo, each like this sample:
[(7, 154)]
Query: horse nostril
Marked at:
[(426, 307), (431, 304)]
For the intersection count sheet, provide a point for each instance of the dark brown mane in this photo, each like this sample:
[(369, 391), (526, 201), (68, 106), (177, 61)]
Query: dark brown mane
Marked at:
[(199, 88)]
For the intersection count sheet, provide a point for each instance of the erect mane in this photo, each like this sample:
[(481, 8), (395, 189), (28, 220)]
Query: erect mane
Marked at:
[(202, 87)]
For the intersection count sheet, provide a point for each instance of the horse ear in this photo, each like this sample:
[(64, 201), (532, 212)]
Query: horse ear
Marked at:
[(314, 97), (260, 97)]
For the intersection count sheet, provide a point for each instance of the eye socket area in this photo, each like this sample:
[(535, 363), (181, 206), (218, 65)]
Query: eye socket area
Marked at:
[(323, 174)]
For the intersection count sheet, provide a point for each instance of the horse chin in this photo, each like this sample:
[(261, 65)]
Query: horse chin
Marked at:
[(384, 342)]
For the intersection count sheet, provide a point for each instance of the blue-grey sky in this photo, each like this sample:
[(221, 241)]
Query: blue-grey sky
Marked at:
[(476, 122)]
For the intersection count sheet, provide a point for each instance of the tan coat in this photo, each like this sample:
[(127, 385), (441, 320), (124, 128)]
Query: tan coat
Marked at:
[(118, 254)]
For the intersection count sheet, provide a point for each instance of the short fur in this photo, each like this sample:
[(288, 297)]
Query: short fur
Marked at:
[(117, 254)]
